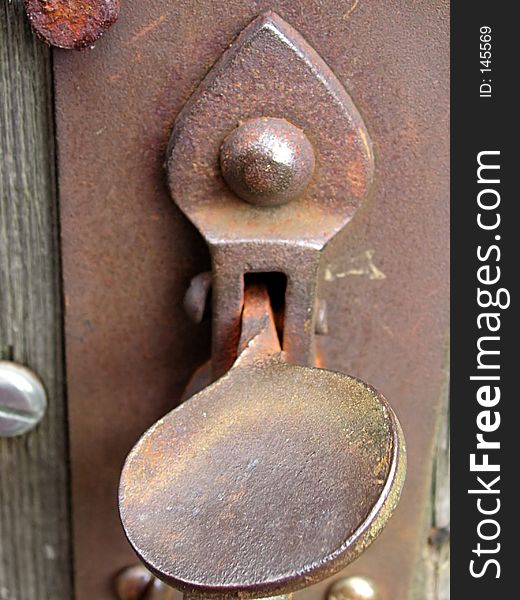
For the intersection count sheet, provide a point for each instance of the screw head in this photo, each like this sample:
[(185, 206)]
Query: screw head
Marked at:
[(133, 582), (22, 399), (72, 24), (137, 583), (267, 161), (354, 588)]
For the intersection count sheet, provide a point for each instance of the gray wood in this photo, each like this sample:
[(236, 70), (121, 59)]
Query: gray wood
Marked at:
[(433, 570), (34, 512), (437, 551)]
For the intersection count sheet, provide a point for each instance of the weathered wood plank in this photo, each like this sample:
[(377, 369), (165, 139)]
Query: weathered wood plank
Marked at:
[(433, 572), (437, 553), (34, 512)]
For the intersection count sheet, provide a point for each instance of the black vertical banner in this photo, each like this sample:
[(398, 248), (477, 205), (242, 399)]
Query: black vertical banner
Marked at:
[(485, 264)]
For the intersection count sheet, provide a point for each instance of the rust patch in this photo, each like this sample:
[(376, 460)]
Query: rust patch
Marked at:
[(71, 24)]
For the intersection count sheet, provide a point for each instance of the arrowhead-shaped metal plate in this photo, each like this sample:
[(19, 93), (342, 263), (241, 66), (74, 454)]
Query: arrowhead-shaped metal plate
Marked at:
[(270, 71)]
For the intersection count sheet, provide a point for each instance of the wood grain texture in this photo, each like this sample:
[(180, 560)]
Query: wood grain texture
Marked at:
[(437, 551), (34, 513), (433, 565)]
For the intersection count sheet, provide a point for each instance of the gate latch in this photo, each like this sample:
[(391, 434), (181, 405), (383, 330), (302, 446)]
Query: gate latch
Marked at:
[(277, 474)]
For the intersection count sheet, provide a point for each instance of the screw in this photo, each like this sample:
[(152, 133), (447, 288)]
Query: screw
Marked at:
[(137, 583), (354, 588), (267, 161), (22, 399), (160, 591), (71, 24)]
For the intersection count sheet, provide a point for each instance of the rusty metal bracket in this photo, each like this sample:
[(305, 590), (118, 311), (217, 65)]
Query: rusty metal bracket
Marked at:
[(271, 121)]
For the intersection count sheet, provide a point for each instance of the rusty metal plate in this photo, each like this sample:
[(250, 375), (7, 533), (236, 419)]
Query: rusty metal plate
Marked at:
[(270, 71), (129, 254), (268, 83)]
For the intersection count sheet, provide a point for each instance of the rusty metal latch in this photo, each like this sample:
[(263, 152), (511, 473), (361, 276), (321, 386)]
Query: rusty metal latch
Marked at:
[(278, 473)]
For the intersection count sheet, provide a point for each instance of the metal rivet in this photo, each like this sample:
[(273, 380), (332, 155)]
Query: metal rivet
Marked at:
[(354, 588), (132, 583), (137, 583), (267, 161), (22, 399), (73, 24)]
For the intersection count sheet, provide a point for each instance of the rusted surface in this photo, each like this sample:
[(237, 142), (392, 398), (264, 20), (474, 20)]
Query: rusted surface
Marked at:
[(270, 479), (269, 71), (193, 510), (267, 161), (129, 254), (258, 336), (71, 24), (132, 583)]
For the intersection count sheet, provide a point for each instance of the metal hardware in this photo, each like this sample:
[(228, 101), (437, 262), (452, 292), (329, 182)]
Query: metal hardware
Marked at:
[(196, 303), (133, 582), (189, 596), (272, 478), (71, 24), (23, 399), (267, 161), (354, 588), (270, 71), (214, 494), (137, 583)]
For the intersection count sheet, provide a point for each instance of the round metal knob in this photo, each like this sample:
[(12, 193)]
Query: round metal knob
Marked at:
[(268, 480), (267, 161), (273, 477)]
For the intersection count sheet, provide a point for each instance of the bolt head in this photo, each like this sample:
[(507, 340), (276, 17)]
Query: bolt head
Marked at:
[(354, 588), (22, 399), (267, 161), (133, 582)]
